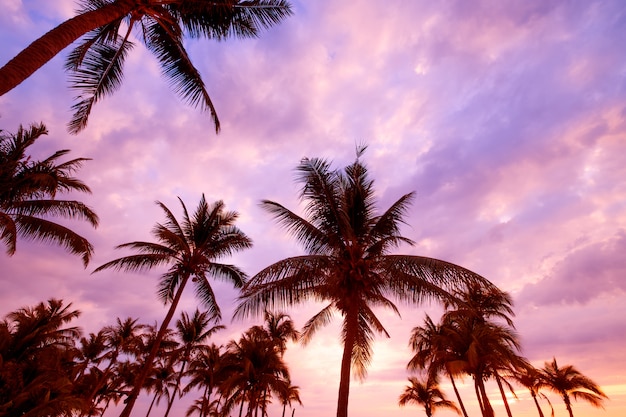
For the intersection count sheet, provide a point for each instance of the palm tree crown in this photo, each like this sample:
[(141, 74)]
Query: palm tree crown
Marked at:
[(28, 189), (96, 63), (426, 394), (348, 263), (569, 381)]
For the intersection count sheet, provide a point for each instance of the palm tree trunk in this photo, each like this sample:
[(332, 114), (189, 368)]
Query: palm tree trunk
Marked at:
[(478, 397), (506, 403), (346, 362), (532, 393), (42, 50), (152, 403), (568, 405), (458, 396), (487, 408), (178, 378), (141, 377)]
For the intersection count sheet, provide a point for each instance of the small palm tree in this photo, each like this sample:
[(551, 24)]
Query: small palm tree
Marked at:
[(192, 332), (531, 378), (426, 394), (568, 381), (348, 263), (27, 194), (96, 63), (192, 248)]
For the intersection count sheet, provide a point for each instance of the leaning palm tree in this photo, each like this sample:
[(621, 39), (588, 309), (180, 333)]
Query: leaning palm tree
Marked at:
[(531, 378), (191, 248), (348, 263), (568, 381), (28, 190), (427, 394), (106, 27)]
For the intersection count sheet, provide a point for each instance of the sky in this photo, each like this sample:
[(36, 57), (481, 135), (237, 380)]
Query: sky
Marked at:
[(507, 119)]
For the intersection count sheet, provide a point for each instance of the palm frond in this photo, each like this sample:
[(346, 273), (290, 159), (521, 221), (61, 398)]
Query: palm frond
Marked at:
[(319, 320), (9, 232), (62, 208), (47, 231), (184, 78), (136, 263), (98, 74)]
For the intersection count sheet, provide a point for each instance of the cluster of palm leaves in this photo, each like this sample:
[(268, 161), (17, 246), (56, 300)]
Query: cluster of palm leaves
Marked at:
[(50, 369), (106, 26), (477, 338)]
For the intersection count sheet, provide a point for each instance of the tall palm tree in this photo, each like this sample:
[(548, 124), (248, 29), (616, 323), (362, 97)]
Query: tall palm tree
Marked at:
[(348, 263), (192, 332), (106, 27), (191, 248), (28, 189), (427, 394), (568, 381)]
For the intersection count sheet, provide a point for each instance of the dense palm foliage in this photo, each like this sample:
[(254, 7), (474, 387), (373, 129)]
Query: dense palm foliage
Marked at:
[(28, 191), (106, 26), (567, 381), (191, 248), (348, 264), (47, 368), (427, 394)]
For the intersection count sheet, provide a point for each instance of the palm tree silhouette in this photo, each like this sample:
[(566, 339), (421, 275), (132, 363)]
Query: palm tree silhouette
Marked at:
[(192, 332), (569, 381), (96, 63), (427, 394), (192, 248), (347, 264), (27, 194)]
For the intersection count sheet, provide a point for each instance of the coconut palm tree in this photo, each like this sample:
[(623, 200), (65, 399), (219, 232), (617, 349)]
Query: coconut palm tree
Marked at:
[(434, 353), (286, 398), (531, 378), (192, 332), (191, 248), (206, 373), (106, 27), (280, 328), (568, 381), (427, 394), (255, 370), (28, 190), (348, 263), (37, 362)]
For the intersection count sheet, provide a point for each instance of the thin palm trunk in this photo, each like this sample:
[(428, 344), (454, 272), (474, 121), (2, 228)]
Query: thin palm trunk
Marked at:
[(487, 408), (532, 393), (458, 395), (506, 402), (178, 379), (346, 361), (42, 50), (141, 377), (568, 404), (152, 403)]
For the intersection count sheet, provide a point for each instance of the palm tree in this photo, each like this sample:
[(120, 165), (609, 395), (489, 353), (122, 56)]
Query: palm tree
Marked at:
[(568, 381), (531, 378), (435, 354), (291, 394), (38, 357), (192, 332), (27, 194), (348, 263), (192, 248), (96, 63), (206, 373), (280, 328), (427, 394), (255, 370)]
